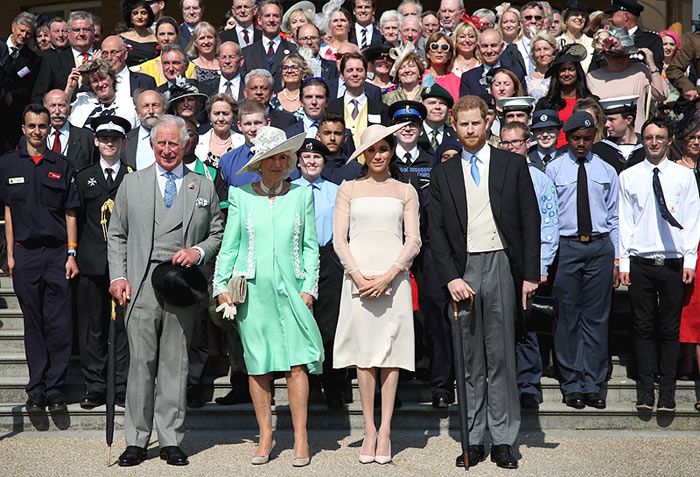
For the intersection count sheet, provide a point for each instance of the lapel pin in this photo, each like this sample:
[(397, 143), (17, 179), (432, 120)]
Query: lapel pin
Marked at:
[(91, 182), (190, 186)]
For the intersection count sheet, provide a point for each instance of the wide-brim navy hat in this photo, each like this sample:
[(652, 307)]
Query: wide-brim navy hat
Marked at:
[(178, 285)]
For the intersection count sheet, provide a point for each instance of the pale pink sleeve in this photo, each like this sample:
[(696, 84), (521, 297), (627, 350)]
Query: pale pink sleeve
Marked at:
[(411, 229), (341, 226)]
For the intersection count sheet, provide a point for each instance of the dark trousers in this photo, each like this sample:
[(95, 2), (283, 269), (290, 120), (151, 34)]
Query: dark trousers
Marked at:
[(198, 349), (330, 282), (583, 285), (656, 293), (44, 296), (528, 365), (433, 303), (93, 308)]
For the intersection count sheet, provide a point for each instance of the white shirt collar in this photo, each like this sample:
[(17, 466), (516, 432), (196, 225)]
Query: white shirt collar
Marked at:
[(10, 44), (64, 130), (401, 153), (632, 30), (309, 121), (360, 99), (77, 54), (440, 129), (483, 155), (234, 82), (124, 73), (144, 133), (104, 166), (663, 165), (179, 171)]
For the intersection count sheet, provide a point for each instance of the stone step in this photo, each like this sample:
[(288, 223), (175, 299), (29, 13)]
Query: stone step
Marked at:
[(11, 319), (5, 281), (418, 416), (11, 341), (8, 299)]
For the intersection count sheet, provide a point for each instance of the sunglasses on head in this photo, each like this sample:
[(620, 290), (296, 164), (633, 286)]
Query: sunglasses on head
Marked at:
[(439, 46)]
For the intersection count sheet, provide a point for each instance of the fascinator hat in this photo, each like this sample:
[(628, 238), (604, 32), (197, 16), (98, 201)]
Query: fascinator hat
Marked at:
[(372, 135), (614, 42), (398, 54), (182, 89), (270, 141), (571, 53)]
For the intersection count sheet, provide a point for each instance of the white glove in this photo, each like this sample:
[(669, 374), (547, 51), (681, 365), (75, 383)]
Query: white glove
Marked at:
[(229, 311)]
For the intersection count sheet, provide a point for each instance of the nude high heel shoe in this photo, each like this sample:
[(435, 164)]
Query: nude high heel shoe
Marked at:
[(263, 459), (366, 458), (383, 459)]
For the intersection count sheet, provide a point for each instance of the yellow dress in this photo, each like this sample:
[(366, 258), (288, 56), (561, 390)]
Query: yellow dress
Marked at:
[(153, 68)]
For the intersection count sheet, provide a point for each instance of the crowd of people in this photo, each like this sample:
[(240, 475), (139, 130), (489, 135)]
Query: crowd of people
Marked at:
[(312, 193)]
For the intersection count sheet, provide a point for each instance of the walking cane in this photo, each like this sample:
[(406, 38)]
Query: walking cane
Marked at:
[(458, 349), (111, 378)]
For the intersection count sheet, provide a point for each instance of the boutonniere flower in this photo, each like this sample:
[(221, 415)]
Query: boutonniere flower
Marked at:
[(201, 202)]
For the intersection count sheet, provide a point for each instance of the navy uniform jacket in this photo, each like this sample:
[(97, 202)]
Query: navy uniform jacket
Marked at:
[(418, 172), (38, 196), (93, 193)]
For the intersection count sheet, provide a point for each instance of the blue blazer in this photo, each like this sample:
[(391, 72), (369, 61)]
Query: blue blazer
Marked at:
[(472, 83)]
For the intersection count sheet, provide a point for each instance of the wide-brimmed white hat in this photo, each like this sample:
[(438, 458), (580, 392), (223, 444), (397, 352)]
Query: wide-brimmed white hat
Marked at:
[(308, 8), (373, 134), (270, 141)]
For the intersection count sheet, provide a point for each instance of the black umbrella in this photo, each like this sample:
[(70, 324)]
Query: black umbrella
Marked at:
[(457, 346), (111, 378)]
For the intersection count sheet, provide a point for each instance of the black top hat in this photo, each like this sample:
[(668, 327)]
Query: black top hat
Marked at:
[(177, 285), (110, 126), (632, 6), (571, 53), (402, 111), (313, 145)]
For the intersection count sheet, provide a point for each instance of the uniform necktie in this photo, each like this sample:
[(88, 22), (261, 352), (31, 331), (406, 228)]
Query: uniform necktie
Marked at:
[(246, 38), (170, 190), (408, 158), (583, 206), (363, 42), (433, 139), (476, 176), (271, 48), (355, 109), (661, 201), (56, 147), (228, 88), (110, 179)]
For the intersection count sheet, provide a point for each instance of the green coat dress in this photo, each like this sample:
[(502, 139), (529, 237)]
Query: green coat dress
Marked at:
[(273, 244)]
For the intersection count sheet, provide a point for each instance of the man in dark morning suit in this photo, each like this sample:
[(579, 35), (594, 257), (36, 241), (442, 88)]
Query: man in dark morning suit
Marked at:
[(364, 33), (192, 13), (230, 61), (114, 50), (310, 37), (625, 13), (75, 143), (258, 86), (485, 238), (174, 61), (244, 33), (97, 188), (20, 70), (269, 53), (493, 50), (56, 66)]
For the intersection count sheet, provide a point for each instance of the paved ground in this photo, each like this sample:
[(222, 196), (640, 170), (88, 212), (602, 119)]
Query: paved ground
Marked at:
[(571, 453)]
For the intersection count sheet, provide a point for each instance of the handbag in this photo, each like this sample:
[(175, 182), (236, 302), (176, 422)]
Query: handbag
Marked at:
[(238, 289)]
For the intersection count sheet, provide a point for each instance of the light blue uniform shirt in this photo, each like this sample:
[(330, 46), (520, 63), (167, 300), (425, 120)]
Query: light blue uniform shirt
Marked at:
[(603, 191), (324, 193), (549, 226)]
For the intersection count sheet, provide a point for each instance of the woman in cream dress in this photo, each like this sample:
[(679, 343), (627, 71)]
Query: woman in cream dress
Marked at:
[(376, 237)]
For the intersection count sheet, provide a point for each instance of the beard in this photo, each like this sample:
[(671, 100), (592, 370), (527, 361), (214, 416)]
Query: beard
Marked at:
[(473, 142)]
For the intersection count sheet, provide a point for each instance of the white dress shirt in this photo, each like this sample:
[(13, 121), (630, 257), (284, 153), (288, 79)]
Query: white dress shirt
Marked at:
[(309, 126), (241, 37), (429, 132), (122, 87), (64, 132), (275, 43), (78, 56), (483, 156), (643, 232), (144, 150), (235, 85), (401, 153), (358, 34), (115, 168), (361, 100)]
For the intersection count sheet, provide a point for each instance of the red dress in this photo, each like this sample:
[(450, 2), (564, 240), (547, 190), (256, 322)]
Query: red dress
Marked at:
[(564, 115), (690, 316)]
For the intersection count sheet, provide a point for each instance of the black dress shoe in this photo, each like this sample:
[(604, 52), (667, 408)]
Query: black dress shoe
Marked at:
[(195, 402), (233, 397), (133, 455), (36, 402), (440, 402), (594, 400), (120, 399), (574, 400), (503, 456), (476, 454), (666, 404), (56, 403), (529, 402), (173, 455), (92, 400)]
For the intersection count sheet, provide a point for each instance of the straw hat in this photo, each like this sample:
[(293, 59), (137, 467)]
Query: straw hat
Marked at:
[(271, 141), (372, 135)]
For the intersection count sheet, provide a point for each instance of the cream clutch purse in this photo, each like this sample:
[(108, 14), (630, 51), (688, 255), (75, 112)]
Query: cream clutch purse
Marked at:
[(238, 289)]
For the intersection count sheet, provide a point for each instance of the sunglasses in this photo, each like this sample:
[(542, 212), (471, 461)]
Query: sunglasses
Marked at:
[(439, 46), (537, 18)]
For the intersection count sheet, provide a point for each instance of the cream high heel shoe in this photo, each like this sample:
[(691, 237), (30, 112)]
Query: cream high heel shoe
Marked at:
[(263, 459), (301, 461), (383, 459), (366, 458)]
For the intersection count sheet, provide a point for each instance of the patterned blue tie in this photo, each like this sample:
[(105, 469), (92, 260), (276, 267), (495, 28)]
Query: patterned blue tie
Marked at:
[(170, 190), (475, 170)]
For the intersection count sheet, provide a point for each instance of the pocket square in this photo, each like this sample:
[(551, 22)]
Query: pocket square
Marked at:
[(201, 202)]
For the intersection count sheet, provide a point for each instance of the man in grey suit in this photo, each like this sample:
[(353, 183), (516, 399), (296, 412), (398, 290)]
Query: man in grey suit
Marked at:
[(161, 213)]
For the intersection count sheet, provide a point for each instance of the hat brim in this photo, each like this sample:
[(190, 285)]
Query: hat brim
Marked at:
[(546, 124), (110, 132), (177, 285), (290, 146), (304, 5), (374, 136)]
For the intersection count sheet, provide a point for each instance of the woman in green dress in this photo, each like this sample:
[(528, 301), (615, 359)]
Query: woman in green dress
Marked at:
[(270, 239)]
